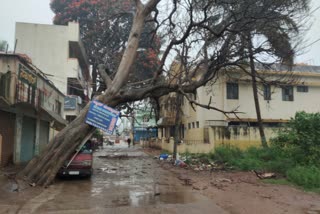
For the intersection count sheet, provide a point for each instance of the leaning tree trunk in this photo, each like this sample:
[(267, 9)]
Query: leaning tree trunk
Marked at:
[(43, 169), (255, 95)]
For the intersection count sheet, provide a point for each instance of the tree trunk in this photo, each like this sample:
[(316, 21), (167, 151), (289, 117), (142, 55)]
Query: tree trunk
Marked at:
[(255, 95), (176, 137), (43, 169)]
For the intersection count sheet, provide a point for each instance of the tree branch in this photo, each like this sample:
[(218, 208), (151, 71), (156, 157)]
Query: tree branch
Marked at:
[(208, 106), (103, 73)]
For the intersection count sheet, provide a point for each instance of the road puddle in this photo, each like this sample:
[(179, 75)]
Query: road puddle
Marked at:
[(108, 170), (138, 199)]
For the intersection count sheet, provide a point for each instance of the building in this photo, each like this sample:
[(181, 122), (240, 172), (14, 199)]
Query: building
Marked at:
[(30, 105), (144, 123), (201, 129), (58, 51)]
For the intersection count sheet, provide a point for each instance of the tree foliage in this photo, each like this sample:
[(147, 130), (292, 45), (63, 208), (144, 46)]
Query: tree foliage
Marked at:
[(301, 138), (104, 28)]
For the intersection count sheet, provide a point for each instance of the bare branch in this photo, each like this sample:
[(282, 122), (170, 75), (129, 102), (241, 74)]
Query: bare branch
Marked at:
[(102, 69), (208, 106)]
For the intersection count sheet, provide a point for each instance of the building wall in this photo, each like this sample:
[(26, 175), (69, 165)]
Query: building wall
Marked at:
[(48, 47), (215, 95), (241, 137), (51, 97), (276, 108), (9, 66), (7, 125)]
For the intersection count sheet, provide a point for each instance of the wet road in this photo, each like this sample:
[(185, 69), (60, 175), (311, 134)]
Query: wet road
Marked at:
[(125, 180)]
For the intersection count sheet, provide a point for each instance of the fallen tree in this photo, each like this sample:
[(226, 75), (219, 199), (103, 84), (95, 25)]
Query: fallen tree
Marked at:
[(199, 18)]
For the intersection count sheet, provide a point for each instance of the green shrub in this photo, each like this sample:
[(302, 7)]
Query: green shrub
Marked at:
[(301, 138), (307, 177), (247, 164), (226, 154)]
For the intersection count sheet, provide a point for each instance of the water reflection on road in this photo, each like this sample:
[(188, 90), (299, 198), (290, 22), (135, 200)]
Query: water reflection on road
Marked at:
[(124, 180)]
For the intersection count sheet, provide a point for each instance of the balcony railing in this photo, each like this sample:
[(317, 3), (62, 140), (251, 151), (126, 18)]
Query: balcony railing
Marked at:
[(26, 94)]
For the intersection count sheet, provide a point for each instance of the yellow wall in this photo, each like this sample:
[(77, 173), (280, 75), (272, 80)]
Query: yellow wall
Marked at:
[(242, 137), (194, 134)]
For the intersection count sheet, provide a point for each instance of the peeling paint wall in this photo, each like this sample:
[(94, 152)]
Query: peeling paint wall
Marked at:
[(240, 136)]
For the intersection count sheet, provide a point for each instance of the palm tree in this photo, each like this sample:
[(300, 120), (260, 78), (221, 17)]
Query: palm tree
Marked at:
[(275, 20), (277, 31)]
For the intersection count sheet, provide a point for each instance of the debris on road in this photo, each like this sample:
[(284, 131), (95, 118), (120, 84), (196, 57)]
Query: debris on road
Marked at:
[(264, 175), (122, 156)]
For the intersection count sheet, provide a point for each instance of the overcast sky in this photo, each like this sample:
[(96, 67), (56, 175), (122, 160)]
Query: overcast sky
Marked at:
[(38, 11)]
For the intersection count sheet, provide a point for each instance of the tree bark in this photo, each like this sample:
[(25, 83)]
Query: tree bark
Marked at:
[(255, 94), (177, 125)]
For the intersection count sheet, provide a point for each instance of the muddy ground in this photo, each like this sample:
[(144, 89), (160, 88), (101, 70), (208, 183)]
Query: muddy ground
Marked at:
[(243, 192), (130, 180)]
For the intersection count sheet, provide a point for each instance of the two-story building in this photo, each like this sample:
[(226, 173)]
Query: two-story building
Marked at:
[(30, 105), (58, 51), (202, 129)]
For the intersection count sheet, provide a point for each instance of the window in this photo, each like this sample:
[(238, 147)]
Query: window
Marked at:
[(232, 91), (197, 124), (267, 92), (287, 93), (302, 88), (189, 125), (182, 131), (58, 107), (193, 125)]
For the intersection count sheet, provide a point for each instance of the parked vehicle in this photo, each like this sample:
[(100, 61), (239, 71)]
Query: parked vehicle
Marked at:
[(80, 163)]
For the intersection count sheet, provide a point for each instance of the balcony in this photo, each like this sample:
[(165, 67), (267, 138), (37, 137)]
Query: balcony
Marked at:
[(76, 51)]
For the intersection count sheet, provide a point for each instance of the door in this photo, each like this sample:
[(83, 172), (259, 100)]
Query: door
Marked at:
[(7, 126), (28, 137)]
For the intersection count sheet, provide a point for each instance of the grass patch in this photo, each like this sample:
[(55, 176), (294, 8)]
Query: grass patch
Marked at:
[(272, 159), (281, 181), (305, 176)]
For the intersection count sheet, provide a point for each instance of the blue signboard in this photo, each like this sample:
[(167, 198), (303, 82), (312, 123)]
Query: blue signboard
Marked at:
[(102, 116)]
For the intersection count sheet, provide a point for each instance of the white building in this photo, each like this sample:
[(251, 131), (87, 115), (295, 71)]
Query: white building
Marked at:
[(58, 51), (202, 129)]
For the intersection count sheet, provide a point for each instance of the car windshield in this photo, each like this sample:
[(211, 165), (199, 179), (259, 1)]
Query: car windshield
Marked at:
[(86, 148)]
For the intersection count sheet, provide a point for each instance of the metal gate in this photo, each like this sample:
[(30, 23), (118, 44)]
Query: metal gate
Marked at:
[(28, 137)]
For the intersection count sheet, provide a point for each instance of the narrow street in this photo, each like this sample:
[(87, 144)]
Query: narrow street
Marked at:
[(125, 180)]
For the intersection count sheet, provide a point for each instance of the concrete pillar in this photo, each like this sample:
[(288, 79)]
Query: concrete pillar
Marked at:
[(17, 141)]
